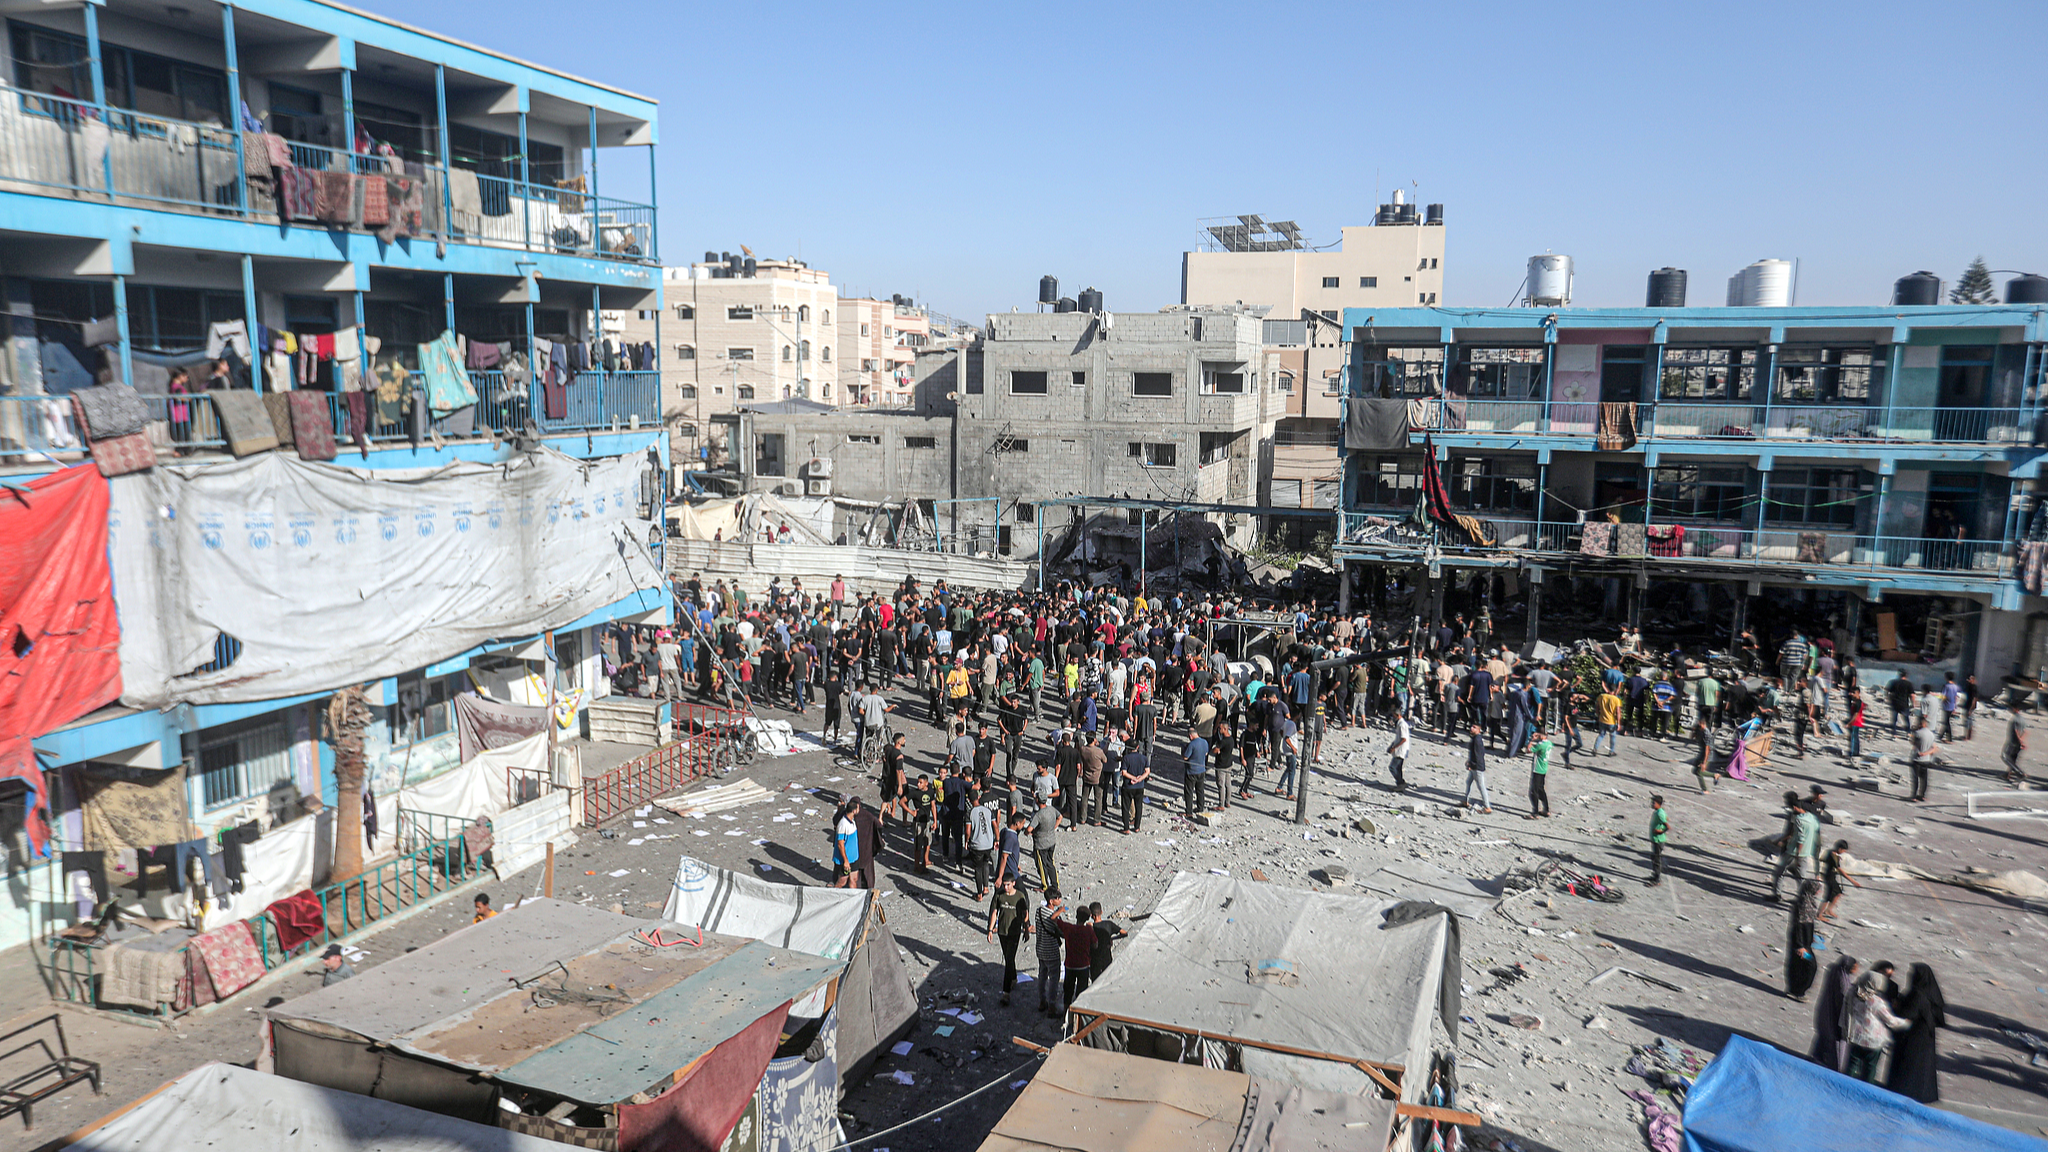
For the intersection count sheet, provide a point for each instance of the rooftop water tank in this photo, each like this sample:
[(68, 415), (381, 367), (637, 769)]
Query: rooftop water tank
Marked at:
[(1063, 304), (1090, 300), (1764, 284), (750, 265), (1048, 290), (711, 257), (1921, 287), (2027, 289), (1550, 281), (1667, 288), (1434, 215)]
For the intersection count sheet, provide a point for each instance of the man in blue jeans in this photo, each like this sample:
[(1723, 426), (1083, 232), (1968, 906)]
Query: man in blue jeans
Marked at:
[(1194, 774)]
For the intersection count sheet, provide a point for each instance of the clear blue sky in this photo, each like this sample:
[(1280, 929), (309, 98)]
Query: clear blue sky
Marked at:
[(957, 152)]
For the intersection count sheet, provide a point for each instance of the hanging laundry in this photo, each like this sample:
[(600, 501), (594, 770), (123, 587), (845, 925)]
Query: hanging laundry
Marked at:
[(228, 335), (231, 842), (335, 197), (483, 357), (358, 404), (376, 203), (106, 330), (447, 384), (391, 381), (62, 371)]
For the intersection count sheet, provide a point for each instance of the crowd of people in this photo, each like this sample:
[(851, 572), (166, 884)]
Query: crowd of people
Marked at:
[(1074, 708)]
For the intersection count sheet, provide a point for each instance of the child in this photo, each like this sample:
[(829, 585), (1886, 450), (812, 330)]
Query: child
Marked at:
[(1660, 826)]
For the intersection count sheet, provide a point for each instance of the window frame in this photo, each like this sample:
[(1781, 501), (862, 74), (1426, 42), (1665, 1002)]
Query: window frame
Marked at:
[(739, 313), (1818, 503), (1397, 480), (1044, 382), (921, 443), (211, 796), (1708, 373), (1402, 371), (1490, 371), (686, 351), (1138, 380), (1689, 492), (1368, 281), (1333, 281), (743, 392), (1829, 372), (739, 353)]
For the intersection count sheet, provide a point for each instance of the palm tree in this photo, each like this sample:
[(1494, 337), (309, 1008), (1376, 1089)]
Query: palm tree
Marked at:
[(348, 714)]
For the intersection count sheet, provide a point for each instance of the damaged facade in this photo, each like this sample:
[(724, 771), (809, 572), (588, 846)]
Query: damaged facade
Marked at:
[(1865, 474)]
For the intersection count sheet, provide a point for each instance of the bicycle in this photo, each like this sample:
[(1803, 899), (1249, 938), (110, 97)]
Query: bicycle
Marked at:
[(871, 747)]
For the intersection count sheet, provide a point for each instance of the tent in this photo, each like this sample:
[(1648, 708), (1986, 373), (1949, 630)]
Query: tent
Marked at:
[(1308, 988), (216, 1106), (1088, 1100), (1754, 1098), (875, 1001), (563, 1021)]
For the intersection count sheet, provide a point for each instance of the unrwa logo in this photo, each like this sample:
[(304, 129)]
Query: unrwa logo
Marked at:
[(211, 538), (692, 876)]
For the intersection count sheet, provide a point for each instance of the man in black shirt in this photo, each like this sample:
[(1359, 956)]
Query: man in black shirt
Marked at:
[(1106, 931), (984, 757), (953, 814), (888, 642), (1011, 720), (833, 690), (1067, 766)]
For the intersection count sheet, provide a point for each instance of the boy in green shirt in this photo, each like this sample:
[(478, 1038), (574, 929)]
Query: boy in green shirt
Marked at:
[(1659, 831), (1539, 776)]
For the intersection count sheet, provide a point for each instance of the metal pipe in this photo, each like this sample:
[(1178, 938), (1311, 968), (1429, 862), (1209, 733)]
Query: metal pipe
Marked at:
[(121, 327), (249, 318), (447, 194), (227, 29), (348, 117)]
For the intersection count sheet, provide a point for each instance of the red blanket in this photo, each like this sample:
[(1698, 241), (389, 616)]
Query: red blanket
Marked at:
[(231, 959), (297, 919)]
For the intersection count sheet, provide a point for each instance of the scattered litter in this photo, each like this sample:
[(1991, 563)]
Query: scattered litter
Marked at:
[(943, 1030), (949, 1011), (1218, 872), (639, 823), (1014, 1085), (622, 872), (1872, 925), (1024, 977), (900, 1048), (760, 841), (1596, 1023), (635, 843), (767, 868), (970, 1018), (643, 810), (699, 832), (1532, 1023), (727, 816), (659, 820), (1164, 843), (900, 1076)]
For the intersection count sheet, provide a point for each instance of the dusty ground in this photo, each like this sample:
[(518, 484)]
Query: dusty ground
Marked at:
[(1710, 929)]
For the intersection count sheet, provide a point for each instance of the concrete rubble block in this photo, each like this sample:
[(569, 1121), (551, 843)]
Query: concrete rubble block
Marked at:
[(1366, 826), (1870, 783)]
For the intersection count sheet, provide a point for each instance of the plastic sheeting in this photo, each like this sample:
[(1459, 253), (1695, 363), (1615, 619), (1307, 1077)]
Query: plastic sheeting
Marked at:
[(1754, 1098), (58, 629), (1308, 970), (476, 787), (328, 575), (217, 1106)]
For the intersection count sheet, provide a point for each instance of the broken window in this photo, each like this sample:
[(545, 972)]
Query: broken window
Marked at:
[(1389, 373), (1820, 497), (1156, 455), (1830, 375), (920, 441), (1707, 374), (1699, 492), (1492, 484), (1503, 373), (739, 353), (1223, 381)]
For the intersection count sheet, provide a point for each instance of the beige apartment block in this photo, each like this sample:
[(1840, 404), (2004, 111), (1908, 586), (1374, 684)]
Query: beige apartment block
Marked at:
[(752, 330), (1382, 265), (878, 345)]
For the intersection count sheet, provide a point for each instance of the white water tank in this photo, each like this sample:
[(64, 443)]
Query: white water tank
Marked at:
[(1764, 284), (1550, 281)]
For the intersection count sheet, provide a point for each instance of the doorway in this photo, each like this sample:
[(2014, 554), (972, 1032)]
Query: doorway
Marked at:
[(1621, 373), (1965, 382)]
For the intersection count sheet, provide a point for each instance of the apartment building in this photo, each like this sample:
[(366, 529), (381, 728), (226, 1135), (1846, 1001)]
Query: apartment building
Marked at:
[(1396, 261), (739, 330), (394, 242), (878, 345), (1304, 362), (1867, 474)]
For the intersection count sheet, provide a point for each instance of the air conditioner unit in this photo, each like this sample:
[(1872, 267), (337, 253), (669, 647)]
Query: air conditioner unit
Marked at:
[(817, 487)]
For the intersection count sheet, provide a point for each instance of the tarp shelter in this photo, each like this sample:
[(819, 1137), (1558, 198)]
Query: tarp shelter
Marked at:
[(582, 1019), (1302, 987), (1755, 1098), (876, 1002), (220, 1106), (1088, 1100)]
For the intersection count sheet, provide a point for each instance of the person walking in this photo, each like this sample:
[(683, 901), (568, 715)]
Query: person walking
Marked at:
[(1539, 776), (1802, 962), (1871, 1024), (1951, 702), (1660, 831), (1009, 920), (1788, 836), (1079, 936), (1899, 694), (1045, 923), (1194, 774), (981, 843), (1924, 747), (1044, 828), (2015, 743), (1832, 873), (1913, 1057), (1397, 753), (1831, 1015), (1010, 849), (1475, 769)]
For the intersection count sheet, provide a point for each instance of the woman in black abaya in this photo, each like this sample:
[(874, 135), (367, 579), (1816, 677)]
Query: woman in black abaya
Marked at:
[(1801, 961), (1831, 1013), (1912, 1071)]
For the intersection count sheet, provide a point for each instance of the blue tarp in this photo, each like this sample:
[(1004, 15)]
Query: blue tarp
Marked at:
[(1754, 1098)]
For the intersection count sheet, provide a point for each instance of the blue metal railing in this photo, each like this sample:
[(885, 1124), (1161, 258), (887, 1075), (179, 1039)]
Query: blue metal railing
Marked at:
[(1872, 423)]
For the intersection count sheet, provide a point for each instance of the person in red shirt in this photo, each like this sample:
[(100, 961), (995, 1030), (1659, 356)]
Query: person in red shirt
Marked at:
[(1079, 934)]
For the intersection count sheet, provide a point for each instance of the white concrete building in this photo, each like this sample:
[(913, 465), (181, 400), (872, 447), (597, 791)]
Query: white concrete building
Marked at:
[(1395, 262)]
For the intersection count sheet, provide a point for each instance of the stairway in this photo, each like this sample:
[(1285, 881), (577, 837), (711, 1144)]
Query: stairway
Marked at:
[(625, 720)]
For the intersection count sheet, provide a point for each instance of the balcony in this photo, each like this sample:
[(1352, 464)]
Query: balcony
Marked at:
[(37, 429), (1665, 420), (53, 146), (1694, 545)]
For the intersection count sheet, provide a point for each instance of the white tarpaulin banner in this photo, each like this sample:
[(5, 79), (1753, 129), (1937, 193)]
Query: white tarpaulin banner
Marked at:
[(820, 921), (328, 575), (477, 787)]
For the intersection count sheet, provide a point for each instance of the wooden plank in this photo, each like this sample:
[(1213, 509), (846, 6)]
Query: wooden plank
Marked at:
[(1379, 1077), (1440, 1115)]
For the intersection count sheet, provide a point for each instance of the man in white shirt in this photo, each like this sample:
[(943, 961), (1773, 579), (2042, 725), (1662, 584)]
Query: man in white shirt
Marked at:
[(1397, 752)]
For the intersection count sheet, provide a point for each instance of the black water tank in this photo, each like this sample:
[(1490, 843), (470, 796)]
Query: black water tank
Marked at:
[(1667, 288), (2027, 289), (1091, 300), (711, 257), (750, 265), (1063, 304), (1919, 288), (1048, 289), (1434, 214)]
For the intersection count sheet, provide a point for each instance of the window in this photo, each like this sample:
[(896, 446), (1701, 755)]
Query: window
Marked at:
[(1330, 281), (1697, 492), (1283, 332), (920, 441), (1012, 445), (243, 760), (1283, 381), (744, 392), (644, 314), (825, 317), (888, 333), (862, 438), (686, 352), (740, 312), (1333, 381), (803, 313), (1391, 373), (1368, 281), (423, 710), (863, 329), (1027, 383), (1223, 381), (1079, 379), (1505, 373), (1155, 455), (1216, 445), (685, 312), (718, 389), (1328, 314), (825, 353), (1025, 513), (1830, 375), (1152, 383), (1389, 481), (1425, 297), (688, 392), (867, 365), (1707, 374), (739, 353), (1820, 497), (788, 353), (803, 349)]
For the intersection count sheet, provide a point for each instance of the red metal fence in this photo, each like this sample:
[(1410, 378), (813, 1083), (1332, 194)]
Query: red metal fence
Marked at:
[(703, 745)]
